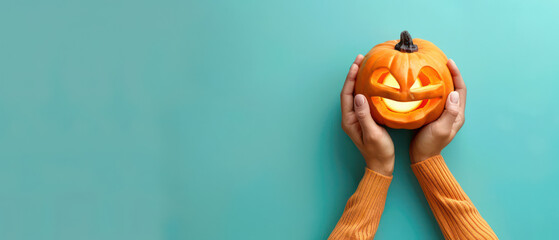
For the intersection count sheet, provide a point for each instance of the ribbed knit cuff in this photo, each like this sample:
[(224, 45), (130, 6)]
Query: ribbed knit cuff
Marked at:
[(373, 187), (381, 177)]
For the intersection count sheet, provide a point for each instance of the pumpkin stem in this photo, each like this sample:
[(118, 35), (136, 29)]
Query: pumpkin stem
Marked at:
[(406, 43)]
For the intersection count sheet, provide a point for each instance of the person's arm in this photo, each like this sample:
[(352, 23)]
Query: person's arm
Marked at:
[(363, 209), (457, 216), (362, 213)]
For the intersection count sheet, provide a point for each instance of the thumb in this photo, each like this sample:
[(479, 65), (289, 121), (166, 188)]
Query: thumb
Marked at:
[(363, 113), (451, 111)]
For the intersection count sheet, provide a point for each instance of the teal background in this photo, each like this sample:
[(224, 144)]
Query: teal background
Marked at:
[(220, 119)]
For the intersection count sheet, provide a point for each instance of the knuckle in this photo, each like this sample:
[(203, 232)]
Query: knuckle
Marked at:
[(461, 123), (453, 111), (344, 127), (371, 136), (346, 122), (460, 120), (362, 114), (368, 138), (441, 132)]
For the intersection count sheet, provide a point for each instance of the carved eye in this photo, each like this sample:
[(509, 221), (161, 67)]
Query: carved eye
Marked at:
[(398, 106)]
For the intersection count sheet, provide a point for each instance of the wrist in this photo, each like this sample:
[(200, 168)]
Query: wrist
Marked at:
[(383, 168), (418, 157)]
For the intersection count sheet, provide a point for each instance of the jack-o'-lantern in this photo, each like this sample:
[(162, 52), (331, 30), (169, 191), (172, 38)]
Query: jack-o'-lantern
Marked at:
[(406, 82)]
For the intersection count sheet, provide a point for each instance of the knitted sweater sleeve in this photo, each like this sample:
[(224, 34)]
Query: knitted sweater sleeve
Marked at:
[(362, 212), (457, 216)]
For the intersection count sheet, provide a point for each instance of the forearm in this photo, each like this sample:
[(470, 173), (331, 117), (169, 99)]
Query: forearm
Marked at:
[(458, 218), (362, 213)]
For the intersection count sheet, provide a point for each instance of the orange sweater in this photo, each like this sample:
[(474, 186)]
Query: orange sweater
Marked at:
[(456, 214)]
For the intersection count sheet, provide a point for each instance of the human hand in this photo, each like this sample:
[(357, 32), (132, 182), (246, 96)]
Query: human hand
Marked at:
[(431, 139), (373, 141)]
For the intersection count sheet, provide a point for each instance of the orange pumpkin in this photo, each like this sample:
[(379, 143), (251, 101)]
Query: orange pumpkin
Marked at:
[(406, 82)]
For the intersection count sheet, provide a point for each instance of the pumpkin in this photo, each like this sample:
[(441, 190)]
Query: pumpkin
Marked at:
[(406, 82)]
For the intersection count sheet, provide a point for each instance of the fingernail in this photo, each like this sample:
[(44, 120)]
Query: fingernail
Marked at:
[(454, 97), (359, 100)]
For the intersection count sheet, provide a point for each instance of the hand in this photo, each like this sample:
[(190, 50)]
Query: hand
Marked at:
[(432, 138), (372, 140)]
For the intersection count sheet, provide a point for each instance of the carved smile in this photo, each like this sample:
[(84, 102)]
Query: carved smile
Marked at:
[(402, 107)]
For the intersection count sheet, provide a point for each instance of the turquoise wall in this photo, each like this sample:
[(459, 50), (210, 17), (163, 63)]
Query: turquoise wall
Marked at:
[(220, 119)]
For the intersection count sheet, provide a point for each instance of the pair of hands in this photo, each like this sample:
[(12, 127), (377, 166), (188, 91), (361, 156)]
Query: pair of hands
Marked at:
[(375, 143)]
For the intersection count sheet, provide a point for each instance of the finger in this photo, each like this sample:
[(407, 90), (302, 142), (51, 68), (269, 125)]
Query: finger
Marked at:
[(459, 84), (346, 96), (368, 125), (450, 113), (456, 76), (359, 59)]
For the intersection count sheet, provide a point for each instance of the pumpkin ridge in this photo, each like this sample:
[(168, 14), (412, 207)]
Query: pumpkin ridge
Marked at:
[(431, 60), (382, 54), (409, 82), (413, 58), (404, 88), (390, 62)]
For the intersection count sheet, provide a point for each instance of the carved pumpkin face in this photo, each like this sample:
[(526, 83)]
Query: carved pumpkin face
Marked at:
[(406, 84)]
